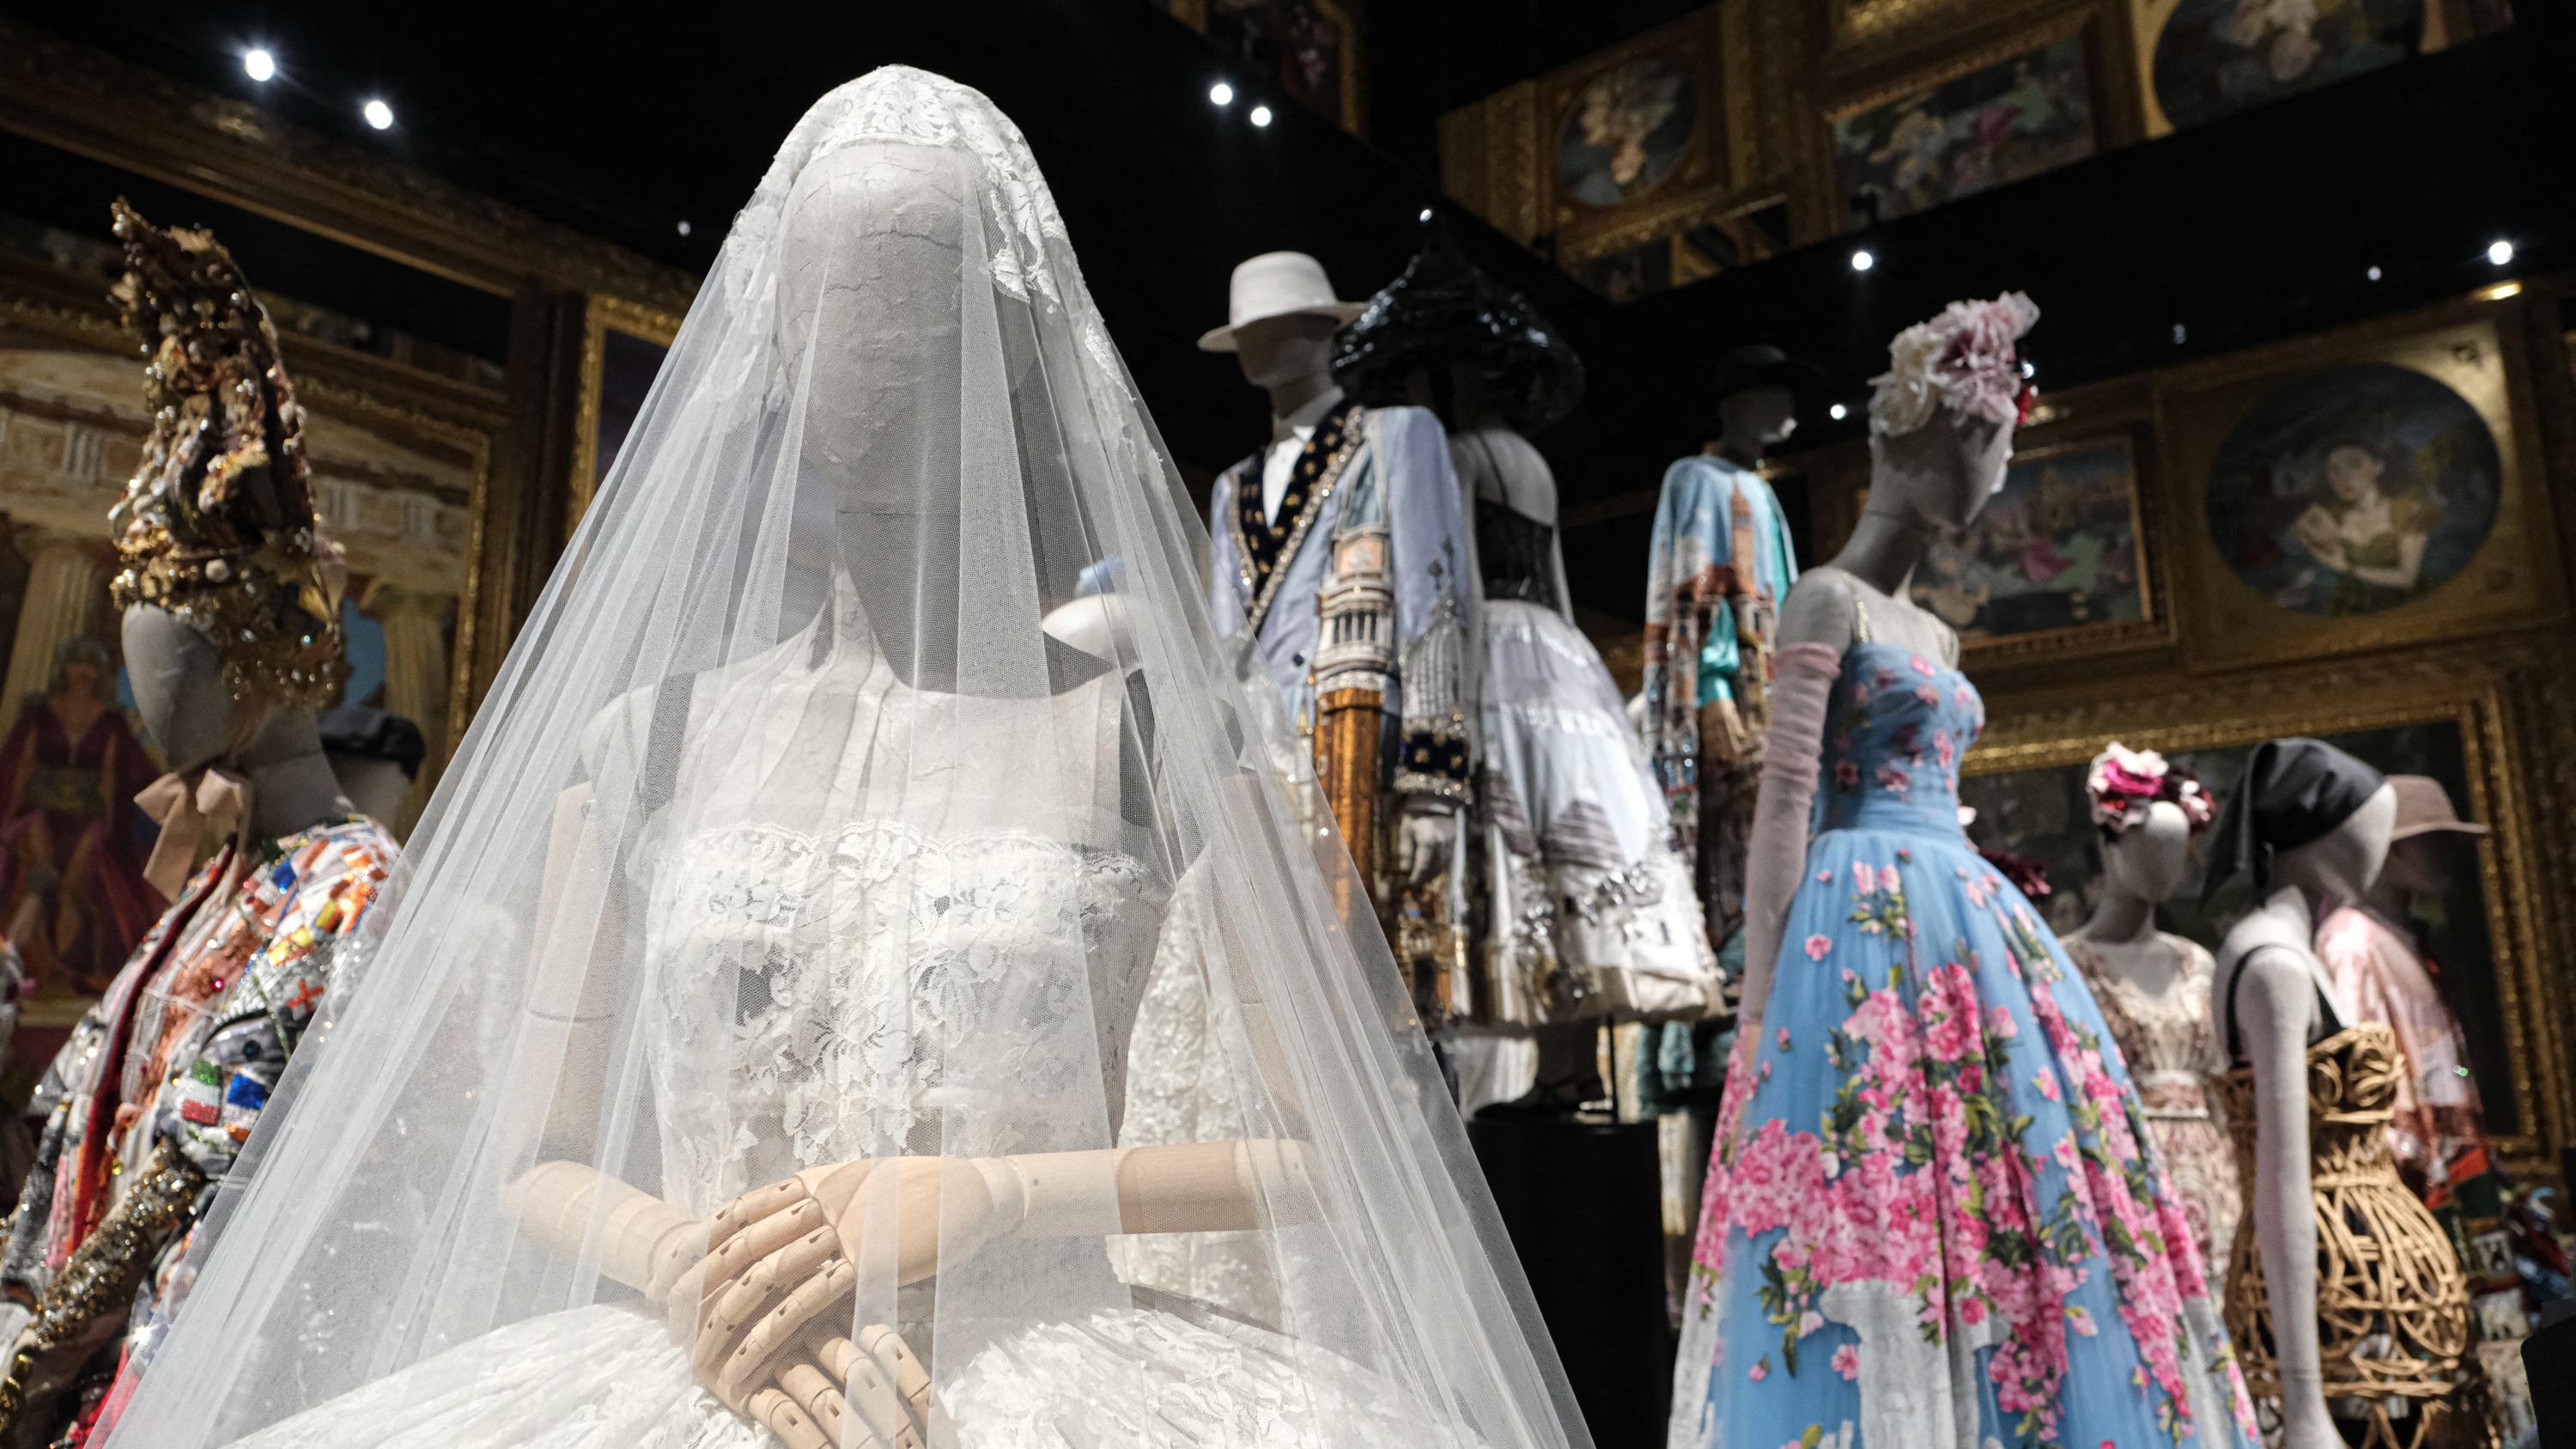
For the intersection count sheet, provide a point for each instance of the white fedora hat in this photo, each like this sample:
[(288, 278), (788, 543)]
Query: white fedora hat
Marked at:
[(1277, 284)]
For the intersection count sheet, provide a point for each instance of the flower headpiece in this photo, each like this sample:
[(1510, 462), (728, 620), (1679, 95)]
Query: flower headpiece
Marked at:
[(217, 524), (2124, 783), (1962, 360)]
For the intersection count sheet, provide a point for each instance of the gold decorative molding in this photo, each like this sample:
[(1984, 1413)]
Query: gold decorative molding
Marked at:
[(601, 314), (2019, 41), (96, 105)]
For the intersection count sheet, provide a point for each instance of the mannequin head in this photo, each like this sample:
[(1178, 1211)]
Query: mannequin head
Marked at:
[(868, 312), (1756, 419), (2147, 861), (2419, 865), (189, 712), (1941, 475), (1278, 350), (2343, 863)]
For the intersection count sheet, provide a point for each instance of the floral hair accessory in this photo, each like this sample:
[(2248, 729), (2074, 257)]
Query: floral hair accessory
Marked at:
[(2124, 783), (1962, 360)]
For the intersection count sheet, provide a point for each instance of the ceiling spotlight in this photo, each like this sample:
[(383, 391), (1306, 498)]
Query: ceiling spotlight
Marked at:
[(2373, 274), (2500, 253), (2030, 369), (378, 114), (1864, 259), (2498, 291), (684, 226), (258, 64), (1426, 214), (1220, 94), (1260, 115), (1838, 412)]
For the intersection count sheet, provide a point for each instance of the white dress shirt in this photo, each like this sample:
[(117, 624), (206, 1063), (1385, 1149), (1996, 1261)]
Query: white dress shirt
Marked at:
[(1288, 439)]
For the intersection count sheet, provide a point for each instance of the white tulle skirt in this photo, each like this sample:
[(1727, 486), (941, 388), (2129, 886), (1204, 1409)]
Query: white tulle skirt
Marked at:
[(607, 1377)]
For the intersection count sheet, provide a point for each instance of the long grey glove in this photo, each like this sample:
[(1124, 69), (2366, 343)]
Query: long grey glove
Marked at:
[(1776, 856)]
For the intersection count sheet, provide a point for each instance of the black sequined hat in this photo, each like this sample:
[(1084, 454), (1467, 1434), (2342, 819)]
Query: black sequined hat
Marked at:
[(1445, 312)]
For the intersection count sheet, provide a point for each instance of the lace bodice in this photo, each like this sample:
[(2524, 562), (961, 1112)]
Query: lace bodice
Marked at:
[(879, 961), (2167, 1039)]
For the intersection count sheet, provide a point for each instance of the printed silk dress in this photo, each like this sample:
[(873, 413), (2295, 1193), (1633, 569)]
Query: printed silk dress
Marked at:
[(1935, 1216)]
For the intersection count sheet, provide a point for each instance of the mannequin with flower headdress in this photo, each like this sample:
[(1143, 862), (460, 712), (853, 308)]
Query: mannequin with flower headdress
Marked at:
[(2152, 985), (1930, 1216)]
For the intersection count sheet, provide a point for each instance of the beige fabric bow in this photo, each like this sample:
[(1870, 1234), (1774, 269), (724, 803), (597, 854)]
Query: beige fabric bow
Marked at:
[(184, 805)]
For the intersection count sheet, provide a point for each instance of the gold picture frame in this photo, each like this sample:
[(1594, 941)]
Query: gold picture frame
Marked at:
[(2148, 19), (2102, 127), (2244, 434), (2507, 711), (603, 315), (2124, 534)]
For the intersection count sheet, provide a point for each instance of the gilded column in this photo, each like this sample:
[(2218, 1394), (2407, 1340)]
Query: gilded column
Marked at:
[(66, 585), (415, 654)]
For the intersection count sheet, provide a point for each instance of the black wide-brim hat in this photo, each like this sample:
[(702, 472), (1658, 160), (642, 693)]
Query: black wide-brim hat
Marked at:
[(1445, 312)]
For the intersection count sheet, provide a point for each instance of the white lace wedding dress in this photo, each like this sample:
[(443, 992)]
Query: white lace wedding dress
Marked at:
[(878, 950)]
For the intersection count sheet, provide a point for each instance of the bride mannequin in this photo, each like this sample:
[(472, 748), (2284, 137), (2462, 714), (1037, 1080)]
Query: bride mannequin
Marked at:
[(807, 1008)]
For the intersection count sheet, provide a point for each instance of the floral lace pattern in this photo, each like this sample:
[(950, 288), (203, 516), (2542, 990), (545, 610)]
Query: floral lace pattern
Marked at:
[(1934, 1215), (2172, 1049), (875, 954)]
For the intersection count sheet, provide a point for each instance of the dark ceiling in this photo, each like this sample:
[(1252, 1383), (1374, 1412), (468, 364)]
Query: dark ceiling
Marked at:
[(2249, 229)]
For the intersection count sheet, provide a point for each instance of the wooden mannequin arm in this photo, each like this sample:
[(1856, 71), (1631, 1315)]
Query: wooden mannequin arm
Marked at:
[(647, 1244), (568, 1009)]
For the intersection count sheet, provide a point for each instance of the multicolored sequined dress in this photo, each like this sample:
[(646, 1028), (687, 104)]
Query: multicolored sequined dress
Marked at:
[(154, 1095), (1935, 1215)]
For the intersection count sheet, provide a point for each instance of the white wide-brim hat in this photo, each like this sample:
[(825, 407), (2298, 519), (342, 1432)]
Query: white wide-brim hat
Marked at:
[(1277, 284)]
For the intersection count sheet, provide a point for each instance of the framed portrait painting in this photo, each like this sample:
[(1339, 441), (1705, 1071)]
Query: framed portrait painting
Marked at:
[(2057, 562), (1978, 124), (2357, 490)]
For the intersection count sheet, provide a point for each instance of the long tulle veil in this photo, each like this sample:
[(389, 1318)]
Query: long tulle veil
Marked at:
[(788, 688)]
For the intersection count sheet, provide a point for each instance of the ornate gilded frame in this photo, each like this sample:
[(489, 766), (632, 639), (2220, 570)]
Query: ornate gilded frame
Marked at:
[(334, 382), (2083, 23), (602, 314), (2512, 714), (2155, 625), (2515, 578), (2147, 20)]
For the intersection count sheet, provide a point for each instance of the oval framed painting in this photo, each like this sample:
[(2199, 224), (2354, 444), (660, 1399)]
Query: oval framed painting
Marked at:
[(2354, 489), (2216, 57)]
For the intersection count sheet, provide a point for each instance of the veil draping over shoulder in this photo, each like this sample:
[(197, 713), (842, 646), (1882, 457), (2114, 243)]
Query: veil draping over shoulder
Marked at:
[(787, 841)]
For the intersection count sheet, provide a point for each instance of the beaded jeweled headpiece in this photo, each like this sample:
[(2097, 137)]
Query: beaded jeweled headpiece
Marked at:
[(217, 524)]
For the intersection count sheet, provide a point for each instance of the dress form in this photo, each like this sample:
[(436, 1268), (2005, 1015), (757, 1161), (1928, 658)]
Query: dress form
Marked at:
[(2273, 1013)]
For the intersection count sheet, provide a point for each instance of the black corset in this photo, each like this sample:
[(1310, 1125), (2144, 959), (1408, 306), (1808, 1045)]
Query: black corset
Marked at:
[(1514, 551)]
